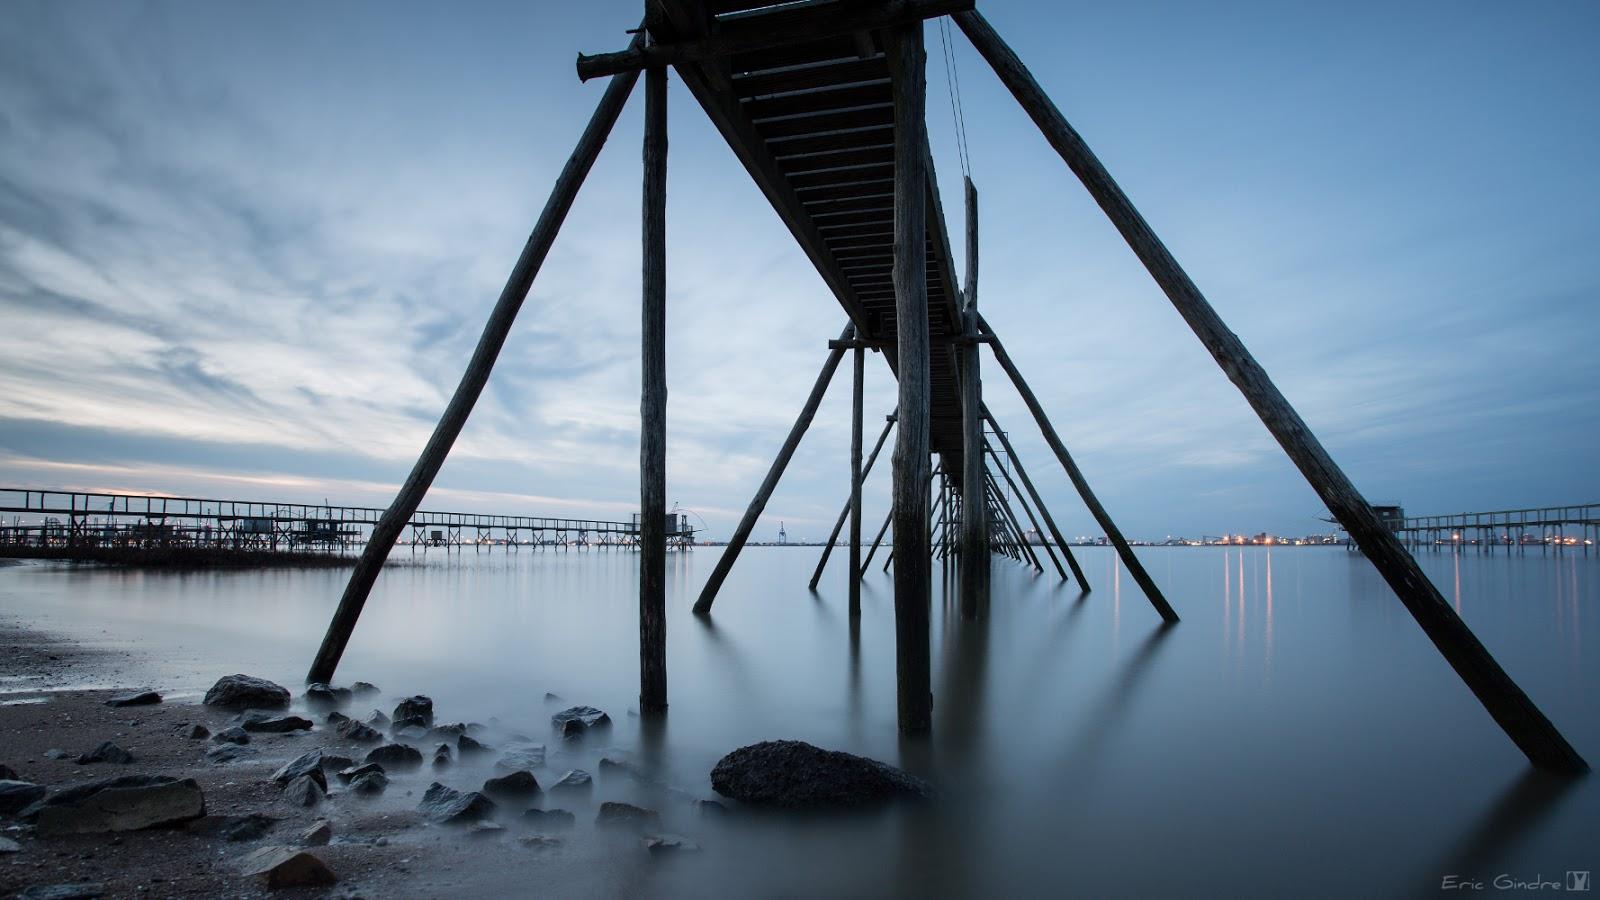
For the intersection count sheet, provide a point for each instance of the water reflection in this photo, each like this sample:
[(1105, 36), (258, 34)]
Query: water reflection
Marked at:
[(1511, 820)]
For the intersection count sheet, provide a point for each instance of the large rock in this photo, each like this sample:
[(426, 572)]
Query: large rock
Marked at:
[(138, 698), (325, 696), (447, 806), (518, 785), (466, 745), (797, 775), (307, 764), (398, 757), (626, 815), (363, 688), (359, 733), (318, 835), (15, 795), (128, 803), (574, 721), (441, 757), (576, 781), (306, 790), (520, 758), (417, 707), (245, 692), (354, 772), (369, 784), (287, 867), (231, 735), (275, 724), (106, 753)]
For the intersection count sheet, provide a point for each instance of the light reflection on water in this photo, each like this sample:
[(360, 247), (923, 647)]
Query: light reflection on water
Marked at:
[(1320, 747)]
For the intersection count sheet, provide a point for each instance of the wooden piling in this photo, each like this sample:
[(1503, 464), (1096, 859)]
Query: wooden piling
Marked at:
[(844, 513), (907, 61), (975, 563), (856, 403), (394, 519), (1522, 721), (653, 405), (708, 594)]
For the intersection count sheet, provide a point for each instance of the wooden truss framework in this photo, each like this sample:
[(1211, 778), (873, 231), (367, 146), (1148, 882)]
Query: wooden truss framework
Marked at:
[(824, 105)]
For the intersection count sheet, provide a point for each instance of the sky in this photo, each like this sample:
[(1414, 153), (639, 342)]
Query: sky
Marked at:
[(246, 251)]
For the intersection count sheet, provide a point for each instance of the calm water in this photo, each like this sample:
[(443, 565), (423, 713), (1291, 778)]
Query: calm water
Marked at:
[(1296, 733)]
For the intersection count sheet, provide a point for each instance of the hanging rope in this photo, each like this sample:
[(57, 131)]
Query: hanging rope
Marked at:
[(952, 83)]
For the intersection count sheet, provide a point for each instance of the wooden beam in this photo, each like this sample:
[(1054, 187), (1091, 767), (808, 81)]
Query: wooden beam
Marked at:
[(766, 32), (708, 594), (653, 404), (416, 485), (975, 563), (1113, 533), (857, 401), (838, 526), (907, 62), (1049, 522), (882, 530), (1522, 721)]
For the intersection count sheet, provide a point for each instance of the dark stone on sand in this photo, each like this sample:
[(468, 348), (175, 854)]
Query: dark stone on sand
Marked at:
[(417, 707), (627, 815), (83, 890), (333, 763), (352, 773), (549, 818), (307, 790), (275, 724), (227, 753), (574, 781), (139, 698), (318, 694), (396, 756), (336, 718), (318, 835), (56, 753), (287, 867), (364, 688), (127, 803), (199, 732), (574, 721), (517, 785), (359, 733), (369, 784), (15, 795), (446, 806), (466, 745), (441, 756), (106, 753), (378, 719), (305, 764), (233, 828), (233, 735), (245, 692), (797, 775)]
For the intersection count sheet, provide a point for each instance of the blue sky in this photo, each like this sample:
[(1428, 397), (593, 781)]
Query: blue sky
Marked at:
[(246, 250)]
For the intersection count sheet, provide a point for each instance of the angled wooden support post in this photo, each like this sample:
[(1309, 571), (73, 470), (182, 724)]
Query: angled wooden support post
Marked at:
[(975, 563), (838, 525), (708, 594), (856, 402), (1010, 519), (1044, 513), (1511, 708), (394, 519), (1022, 500), (1113, 534), (871, 551), (653, 404)]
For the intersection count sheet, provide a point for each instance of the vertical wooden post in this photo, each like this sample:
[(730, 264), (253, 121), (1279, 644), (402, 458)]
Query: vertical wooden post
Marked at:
[(1114, 534), (416, 485), (907, 61), (1522, 721), (975, 563), (856, 402), (838, 525), (653, 405), (708, 594)]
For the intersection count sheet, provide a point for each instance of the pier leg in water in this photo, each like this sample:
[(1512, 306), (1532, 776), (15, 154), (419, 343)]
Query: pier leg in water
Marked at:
[(1050, 523), (653, 405), (1522, 721), (882, 530), (907, 62), (838, 526), (416, 485), (708, 594), (856, 403), (975, 562)]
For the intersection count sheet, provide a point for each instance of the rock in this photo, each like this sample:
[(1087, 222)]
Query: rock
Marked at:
[(369, 784), (7, 845), (553, 698), (352, 773), (287, 867), (336, 718), (468, 746), (304, 764), (627, 815), (9, 774), (233, 828), (15, 795), (319, 694), (358, 733), (530, 757), (276, 724), (128, 803), (539, 841), (318, 835), (378, 719), (575, 781), (336, 763), (233, 735), (364, 688), (245, 692), (418, 707), (797, 775), (659, 844), (106, 753), (572, 722), (517, 785), (448, 732), (83, 890), (227, 753), (140, 698), (710, 808), (398, 757), (441, 756), (549, 818), (306, 790), (199, 732), (451, 807), (411, 732), (56, 753)]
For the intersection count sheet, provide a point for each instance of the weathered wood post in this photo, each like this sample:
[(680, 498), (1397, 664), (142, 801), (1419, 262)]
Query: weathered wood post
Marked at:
[(856, 403), (708, 594), (1526, 725), (1050, 523), (844, 513), (872, 551), (907, 61), (653, 405), (1113, 533), (416, 485), (975, 563)]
